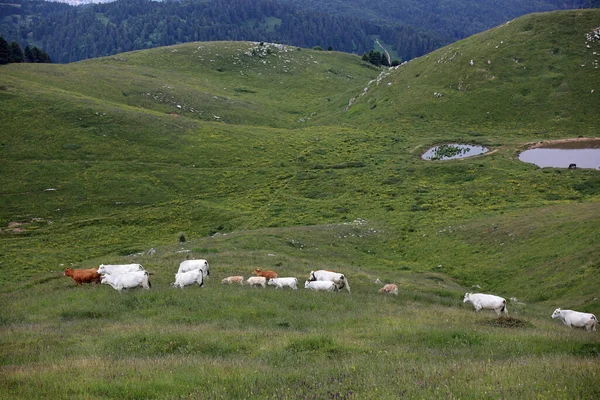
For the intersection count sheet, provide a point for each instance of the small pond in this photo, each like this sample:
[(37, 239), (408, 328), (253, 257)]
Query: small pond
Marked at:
[(453, 151), (565, 154)]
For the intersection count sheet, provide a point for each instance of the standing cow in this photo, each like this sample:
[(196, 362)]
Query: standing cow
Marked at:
[(486, 301), (576, 319), (190, 265), (324, 275)]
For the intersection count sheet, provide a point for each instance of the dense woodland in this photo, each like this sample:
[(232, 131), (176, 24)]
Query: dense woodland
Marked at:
[(456, 19), (13, 53), (75, 33), (408, 28)]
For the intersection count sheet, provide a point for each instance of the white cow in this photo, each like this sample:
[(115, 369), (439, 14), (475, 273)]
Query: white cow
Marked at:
[(127, 280), (188, 278), (112, 269), (486, 301), (190, 265), (280, 283), (576, 319), (326, 286), (323, 275), (257, 281)]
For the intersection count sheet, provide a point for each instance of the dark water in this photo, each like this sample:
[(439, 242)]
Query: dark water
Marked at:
[(562, 158), (466, 150)]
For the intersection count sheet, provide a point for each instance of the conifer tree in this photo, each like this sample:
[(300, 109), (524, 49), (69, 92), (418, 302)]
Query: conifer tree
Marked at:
[(3, 51)]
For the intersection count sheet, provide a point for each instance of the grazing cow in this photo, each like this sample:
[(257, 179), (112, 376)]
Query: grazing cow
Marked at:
[(323, 275), (326, 286), (487, 301), (128, 280), (112, 269), (188, 278), (280, 283), (257, 281), (190, 265), (576, 319), (233, 279), (389, 288), (572, 166), (80, 276), (267, 274)]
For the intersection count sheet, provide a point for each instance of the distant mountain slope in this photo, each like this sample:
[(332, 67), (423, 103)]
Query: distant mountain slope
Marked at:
[(77, 33), (452, 18), (535, 72)]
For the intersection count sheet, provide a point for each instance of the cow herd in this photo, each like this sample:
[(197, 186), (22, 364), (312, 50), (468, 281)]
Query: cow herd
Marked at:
[(190, 272)]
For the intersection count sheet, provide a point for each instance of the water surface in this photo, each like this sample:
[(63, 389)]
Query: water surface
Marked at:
[(453, 151)]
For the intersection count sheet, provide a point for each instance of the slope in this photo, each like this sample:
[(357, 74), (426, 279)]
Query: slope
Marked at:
[(538, 73)]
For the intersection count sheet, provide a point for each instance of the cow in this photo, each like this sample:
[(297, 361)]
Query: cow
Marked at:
[(233, 279), (326, 286), (389, 288), (323, 275), (280, 283), (266, 273), (80, 276), (112, 269), (190, 265), (257, 281), (576, 319), (188, 278), (486, 301), (127, 280)]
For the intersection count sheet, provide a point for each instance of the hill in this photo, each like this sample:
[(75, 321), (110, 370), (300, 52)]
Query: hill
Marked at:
[(250, 153)]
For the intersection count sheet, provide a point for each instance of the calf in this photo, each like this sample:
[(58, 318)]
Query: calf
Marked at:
[(267, 274), (323, 275), (280, 283), (576, 319), (80, 276), (487, 301), (188, 278), (233, 279), (190, 265), (389, 288), (257, 281), (327, 286), (112, 269), (128, 280)]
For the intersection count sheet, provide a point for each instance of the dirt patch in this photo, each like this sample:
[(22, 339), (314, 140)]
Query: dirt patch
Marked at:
[(573, 143), (507, 322)]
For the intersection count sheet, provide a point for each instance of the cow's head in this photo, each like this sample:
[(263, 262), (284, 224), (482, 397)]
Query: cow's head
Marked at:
[(556, 313), (306, 285), (467, 295), (311, 277)]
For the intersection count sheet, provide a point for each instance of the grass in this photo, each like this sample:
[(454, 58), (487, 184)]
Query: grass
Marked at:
[(99, 164)]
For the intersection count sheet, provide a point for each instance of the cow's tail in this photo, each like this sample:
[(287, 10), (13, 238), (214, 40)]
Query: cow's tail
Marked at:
[(504, 309)]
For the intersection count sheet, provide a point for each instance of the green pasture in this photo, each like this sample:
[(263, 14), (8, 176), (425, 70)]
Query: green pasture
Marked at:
[(276, 157)]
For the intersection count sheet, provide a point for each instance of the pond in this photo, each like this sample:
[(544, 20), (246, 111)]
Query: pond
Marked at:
[(453, 151), (565, 154)]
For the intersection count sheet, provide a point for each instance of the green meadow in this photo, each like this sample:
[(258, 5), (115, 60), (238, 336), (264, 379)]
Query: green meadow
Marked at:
[(276, 157)]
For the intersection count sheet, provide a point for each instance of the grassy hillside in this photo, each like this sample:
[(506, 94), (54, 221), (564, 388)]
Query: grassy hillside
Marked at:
[(534, 75), (248, 151)]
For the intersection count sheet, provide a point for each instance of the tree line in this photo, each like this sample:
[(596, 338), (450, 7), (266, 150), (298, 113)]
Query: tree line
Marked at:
[(74, 33), (12, 53)]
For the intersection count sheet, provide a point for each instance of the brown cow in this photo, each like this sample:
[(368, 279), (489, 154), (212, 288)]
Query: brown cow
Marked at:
[(267, 274), (389, 288), (233, 279), (80, 276)]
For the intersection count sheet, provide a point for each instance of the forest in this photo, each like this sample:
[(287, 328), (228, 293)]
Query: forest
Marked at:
[(407, 29), (74, 33)]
